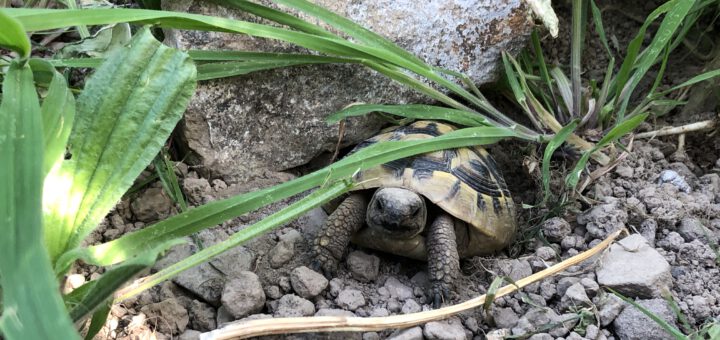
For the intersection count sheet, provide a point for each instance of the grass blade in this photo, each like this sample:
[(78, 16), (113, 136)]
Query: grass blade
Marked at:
[(216, 212), (125, 114), (12, 36), (597, 20), (414, 111), (576, 47), (676, 333), (550, 148), (166, 172), (29, 311)]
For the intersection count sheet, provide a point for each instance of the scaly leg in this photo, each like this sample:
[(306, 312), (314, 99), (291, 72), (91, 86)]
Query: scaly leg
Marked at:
[(443, 259), (335, 235)]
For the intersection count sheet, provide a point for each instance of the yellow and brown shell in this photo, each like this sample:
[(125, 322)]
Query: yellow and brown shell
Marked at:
[(465, 182)]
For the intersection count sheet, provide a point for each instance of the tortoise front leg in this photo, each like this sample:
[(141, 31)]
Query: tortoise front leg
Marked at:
[(443, 259), (335, 235)]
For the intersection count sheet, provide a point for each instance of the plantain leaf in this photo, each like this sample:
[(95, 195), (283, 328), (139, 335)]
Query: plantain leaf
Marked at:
[(32, 307), (12, 36), (58, 113), (125, 113)]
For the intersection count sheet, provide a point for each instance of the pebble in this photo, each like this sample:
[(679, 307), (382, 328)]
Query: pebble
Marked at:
[(415, 333), (202, 316), (610, 306), (555, 229), (634, 269), (504, 317), (398, 289), (169, 316), (444, 330), (350, 299), (632, 324), (334, 312), (281, 254), (307, 283), (243, 295), (363, 267), (575, 298), (291, 305), (410, 306)]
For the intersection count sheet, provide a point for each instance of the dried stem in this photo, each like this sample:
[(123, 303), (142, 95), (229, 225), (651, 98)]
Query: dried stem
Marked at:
[(260, 327), (677, 130)]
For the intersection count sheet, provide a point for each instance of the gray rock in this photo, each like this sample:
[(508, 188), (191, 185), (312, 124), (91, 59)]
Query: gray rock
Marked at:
[(363, 267), (573, 242), (537, 318), (202, 316), (380, 311), (243, 295), (624, 171), (591, 287), (151, 205), (604, 218), (692, 228), (546, 253), (334, 312), (634, 269), (394, 306), (415, 333), (371, 336), (565, 283), (514, 268), (190, 334), (197, 190), (444, 330), (574, 336), (307, 283), (421, 280), (234, 261), (336, 285), (575, 298), (223, 316), (504, 317), (672, 177), (284, 283), (398, 289), (350, 299), (632, 324), (592, 331), (238, 126), (281, 254), (410, 306), (202, 280), (555, 229), (168, 316), (648, 229), (673, 241), (292, 305), (273, 292), (541, 336), (610, 306), (290, 235)]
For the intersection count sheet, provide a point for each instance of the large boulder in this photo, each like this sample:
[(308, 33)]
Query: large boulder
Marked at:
[(240, 126)]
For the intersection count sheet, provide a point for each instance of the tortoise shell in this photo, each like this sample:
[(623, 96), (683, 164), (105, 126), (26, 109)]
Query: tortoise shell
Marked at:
[(465, 182)]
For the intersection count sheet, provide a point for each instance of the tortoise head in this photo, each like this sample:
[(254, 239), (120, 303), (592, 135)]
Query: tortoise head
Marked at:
[(398, 212)]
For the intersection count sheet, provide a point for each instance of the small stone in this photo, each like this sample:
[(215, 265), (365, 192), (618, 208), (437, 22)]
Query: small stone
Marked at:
[(421, 280), (555, 229), (202, 280), (591, 287), (397, 289), (565, 283), (151, 205), (273, 292), (334, 312), (444, 330), (190, 334), (394, 306), (504, 317), (575, 298), (673, 241), (610, 307), (672, 177), (410, 306), (223, 316), (572, 242), (292, 305), (281, 254), (284, 284), (648, 229), (692, 228), (700, 307), (169, 316), (592, 331), (471, 323), (380, 311), (307, 283), (574, 336), (415, 333), (291, 235), (371, 336), (350, 299), (547, 290), (632, 324), (202, 316), (634, 269), (73, 282), (336, 285), (234, 261), (546, 253), (498, 334), (624, 171), (363, 267), (541, 336), (243, 295)]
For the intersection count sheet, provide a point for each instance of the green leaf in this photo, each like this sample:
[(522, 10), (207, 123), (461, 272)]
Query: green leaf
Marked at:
[(694, 80), (98, 320), (166, 172), (58, 113), (597, 19), (414, 111), (32, 307), (550, 148), (128, 109), (13, 36), (105, 41), (216, 212), (616, 133)]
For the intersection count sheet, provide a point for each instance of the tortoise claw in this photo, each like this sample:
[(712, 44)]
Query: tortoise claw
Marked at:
[(440, 293), (328, 267)]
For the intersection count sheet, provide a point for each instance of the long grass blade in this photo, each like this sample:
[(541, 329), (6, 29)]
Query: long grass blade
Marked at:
[(550, 148), (414, 111), (12, 36)]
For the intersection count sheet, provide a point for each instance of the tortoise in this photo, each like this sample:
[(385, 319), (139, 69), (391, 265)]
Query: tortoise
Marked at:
[(389, 207)]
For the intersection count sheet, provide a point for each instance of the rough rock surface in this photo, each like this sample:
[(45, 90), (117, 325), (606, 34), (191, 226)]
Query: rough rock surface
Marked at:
[(363, 267), (444, 330), (243, 295), (635, 269), (307, 283), (169, 316), (240, 126), (292, 305), (152, 205), (632, 324)]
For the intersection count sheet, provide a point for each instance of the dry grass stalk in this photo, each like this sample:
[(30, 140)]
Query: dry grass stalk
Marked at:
[(357, 324)]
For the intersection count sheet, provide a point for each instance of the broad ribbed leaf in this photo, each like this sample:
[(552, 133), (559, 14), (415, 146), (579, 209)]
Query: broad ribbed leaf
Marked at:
[(124, 115), (58, 113), (216, 212), (12, 35), (32, 307)]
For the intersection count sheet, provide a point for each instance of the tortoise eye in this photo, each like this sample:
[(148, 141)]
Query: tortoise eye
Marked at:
[(379, 205), (416, 212)]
